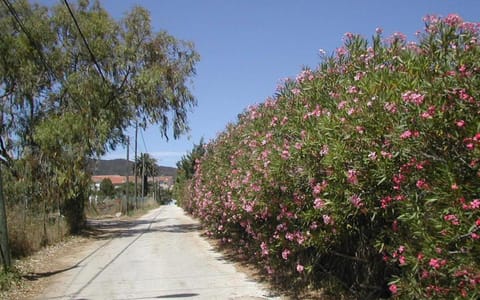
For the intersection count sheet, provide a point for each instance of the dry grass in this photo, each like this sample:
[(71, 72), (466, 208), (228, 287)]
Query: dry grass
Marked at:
[(29, 232), (113, 209)]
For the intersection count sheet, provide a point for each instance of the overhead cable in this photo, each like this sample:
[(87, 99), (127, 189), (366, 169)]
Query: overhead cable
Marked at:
[(85, 41)]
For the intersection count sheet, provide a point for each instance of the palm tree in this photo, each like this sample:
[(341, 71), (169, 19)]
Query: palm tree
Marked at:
[(145, 166)]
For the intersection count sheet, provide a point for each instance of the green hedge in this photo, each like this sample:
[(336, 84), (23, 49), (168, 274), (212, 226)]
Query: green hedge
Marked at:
[(361, 174)]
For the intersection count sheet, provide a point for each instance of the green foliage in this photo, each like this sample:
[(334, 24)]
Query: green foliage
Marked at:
[(62, 104), (186, 171), (106, 188), (121, 191), (364, 172), (9, 279)]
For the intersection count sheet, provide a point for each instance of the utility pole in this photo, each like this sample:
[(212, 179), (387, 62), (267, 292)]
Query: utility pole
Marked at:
[(128, 170), (4, 246), (135, 166), (143, 175)]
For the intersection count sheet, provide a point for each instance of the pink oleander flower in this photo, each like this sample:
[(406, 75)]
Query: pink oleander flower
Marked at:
[(352, 177), (452, 219), (390, 107), (352, 90), (432, 19), (324, 151), (289, 236), (285, 154), (453, 20), (420, 256), (425, 274), (405, 135), (318, 203), (248, 207), (296, 91), (348, 35), (356, 201), (460, 123), (393, 288), (434, 263), (342, 104), (342, 51), (386, 201), (327, 219), (422, 184), (300, 268), (359, 76), (409, 134), (264, 248), (285, 254), (386, 154), (475, 204), (399, 36), (412, 97), (437, 263)]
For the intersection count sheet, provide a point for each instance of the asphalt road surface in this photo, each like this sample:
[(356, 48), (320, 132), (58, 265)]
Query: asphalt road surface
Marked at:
[(159, 256)]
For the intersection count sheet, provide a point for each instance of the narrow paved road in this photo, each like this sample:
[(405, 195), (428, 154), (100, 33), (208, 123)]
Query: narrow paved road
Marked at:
[(160, 256)]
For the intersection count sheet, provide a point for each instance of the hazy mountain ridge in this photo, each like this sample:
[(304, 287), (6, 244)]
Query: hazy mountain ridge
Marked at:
[(121, 167)]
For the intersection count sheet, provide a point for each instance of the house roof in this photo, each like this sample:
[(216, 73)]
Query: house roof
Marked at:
[(115, 179), (119, 179)]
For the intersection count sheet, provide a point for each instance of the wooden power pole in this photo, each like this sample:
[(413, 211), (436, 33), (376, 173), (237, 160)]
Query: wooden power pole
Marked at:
[(127, 189), (4, 246), (135, 167)]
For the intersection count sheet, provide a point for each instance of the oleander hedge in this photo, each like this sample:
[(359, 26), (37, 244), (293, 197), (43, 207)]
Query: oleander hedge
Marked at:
[(362, 175)]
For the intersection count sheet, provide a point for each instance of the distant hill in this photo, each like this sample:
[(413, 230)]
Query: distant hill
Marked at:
[(121, 167)]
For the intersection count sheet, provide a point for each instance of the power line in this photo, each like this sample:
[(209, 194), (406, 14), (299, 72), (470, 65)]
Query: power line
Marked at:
[(144, 144), (35, 45), (85, 41)]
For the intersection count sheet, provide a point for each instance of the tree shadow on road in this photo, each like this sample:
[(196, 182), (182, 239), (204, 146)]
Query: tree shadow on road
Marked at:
[(36, 276), (108, 229)]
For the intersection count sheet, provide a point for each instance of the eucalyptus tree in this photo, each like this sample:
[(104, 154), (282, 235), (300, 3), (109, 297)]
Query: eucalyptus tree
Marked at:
[(72, 80), (186, 170)]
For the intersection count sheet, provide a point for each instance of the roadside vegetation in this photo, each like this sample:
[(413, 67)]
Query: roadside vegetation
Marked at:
[(72, 80), (360, 178)]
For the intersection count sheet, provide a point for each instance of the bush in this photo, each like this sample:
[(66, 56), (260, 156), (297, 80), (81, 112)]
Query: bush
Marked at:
[(363, 173), (106, 188)]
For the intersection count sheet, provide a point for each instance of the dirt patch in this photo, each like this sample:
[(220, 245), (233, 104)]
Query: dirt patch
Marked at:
[(36, 270)]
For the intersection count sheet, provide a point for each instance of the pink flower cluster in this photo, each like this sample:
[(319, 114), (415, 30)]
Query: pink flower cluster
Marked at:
[(437, 263), (412, 97), (409, 134), (472, 142)]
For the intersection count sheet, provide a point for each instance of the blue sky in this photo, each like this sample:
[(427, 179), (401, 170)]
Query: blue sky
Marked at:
[(248, 46)]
